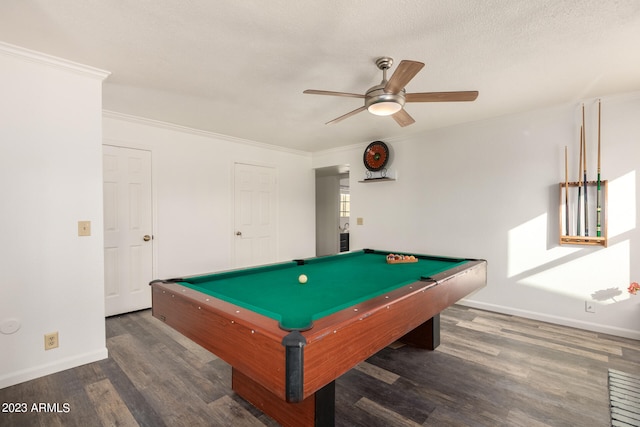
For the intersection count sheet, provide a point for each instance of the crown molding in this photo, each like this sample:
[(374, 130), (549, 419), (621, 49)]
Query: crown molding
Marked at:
[(52, 61), (193, 131)]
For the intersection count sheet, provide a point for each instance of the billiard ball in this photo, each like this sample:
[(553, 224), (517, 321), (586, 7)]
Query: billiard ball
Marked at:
[(302, 279)]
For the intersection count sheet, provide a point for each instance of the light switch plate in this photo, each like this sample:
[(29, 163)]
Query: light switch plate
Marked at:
[(84, 228)]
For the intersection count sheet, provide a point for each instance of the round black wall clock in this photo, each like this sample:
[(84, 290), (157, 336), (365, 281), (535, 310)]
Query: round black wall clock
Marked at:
[(376, 156)]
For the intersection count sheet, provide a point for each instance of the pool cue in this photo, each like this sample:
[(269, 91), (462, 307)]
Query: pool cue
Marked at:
[(566, 191), (586, 204), (579, 185), (599, 208)]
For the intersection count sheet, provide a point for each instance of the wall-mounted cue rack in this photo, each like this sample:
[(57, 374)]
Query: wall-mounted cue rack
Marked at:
[(583, 204), (588, 227)]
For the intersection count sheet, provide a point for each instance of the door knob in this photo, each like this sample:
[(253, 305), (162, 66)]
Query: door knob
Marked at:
[(146, 238), (238, 233)]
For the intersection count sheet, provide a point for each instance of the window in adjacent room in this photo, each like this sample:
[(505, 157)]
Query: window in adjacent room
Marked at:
[(345, 202)]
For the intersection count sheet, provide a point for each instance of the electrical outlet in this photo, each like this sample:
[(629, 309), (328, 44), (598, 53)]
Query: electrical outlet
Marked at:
[(51, 341), (359, 221), (589, 307)]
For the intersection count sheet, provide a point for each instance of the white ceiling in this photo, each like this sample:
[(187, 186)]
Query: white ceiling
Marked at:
[(238, 68)]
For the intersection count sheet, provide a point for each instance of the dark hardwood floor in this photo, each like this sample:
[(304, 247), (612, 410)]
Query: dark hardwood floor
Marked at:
[(490, 370)]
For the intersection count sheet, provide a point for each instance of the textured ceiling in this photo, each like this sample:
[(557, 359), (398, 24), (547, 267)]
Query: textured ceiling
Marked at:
[(239, 68)]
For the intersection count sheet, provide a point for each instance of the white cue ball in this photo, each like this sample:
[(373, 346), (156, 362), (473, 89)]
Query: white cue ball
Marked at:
[(302, 279)]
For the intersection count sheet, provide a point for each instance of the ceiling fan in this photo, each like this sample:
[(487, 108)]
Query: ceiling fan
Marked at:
[(388, 97)]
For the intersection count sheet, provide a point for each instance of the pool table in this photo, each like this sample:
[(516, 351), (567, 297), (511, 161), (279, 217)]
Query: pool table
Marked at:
[(287, 342)]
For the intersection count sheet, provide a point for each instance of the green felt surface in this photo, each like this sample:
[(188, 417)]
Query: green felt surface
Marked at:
[(334, 283)]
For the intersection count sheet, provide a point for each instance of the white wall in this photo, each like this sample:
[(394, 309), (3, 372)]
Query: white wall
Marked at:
[(490, 190), (50, 178), (193, 193)]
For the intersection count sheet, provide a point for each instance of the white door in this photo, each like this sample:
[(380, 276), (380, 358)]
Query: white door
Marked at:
[(128, 239), (255, 215)]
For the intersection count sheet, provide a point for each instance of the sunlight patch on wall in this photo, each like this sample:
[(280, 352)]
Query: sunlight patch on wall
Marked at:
[(600, 275), (622, 204), (528, 247)]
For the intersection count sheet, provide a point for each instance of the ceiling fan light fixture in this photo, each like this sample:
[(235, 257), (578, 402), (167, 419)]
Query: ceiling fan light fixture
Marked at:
[(381, 103), (384, 108)]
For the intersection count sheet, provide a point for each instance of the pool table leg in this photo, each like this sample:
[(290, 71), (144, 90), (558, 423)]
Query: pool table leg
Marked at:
[(425, 336), (317, 410)]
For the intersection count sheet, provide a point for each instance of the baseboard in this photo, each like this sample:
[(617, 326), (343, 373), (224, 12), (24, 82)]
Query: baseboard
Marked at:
[(18, 377), (557, 320)]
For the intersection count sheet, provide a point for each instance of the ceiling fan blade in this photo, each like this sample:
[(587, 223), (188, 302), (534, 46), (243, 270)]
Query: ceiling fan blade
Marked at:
[(327, 92), (442, 96), (346, 116), (403, 118), (404, 73)]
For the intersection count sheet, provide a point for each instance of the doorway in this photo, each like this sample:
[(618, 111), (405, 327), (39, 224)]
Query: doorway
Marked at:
[(332, 214)]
